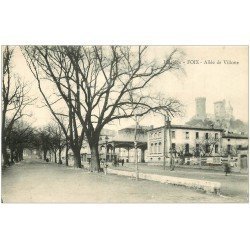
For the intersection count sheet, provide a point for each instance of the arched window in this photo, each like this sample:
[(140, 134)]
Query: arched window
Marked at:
[(152, 148), (159, 147)]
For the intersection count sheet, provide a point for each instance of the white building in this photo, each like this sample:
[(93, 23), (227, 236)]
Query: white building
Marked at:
[(183, 137)]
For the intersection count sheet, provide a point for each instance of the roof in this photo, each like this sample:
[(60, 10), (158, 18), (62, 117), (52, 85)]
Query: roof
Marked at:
[(235, 136), (190, 127), (132, 127)]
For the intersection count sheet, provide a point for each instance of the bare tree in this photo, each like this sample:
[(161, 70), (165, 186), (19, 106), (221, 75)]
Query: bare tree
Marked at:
[(14, 99), (58, 140), (60, 108), (96, 82)]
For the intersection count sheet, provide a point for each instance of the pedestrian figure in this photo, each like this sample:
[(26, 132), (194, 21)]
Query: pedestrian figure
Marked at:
[(122, 162), (227, 168), (115, 163)]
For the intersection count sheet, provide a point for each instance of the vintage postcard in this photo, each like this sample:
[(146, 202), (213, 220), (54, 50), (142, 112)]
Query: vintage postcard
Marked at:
[(124, 124)]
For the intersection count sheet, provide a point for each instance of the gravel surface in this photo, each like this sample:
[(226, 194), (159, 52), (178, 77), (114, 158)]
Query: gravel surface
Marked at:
[(34, 181)]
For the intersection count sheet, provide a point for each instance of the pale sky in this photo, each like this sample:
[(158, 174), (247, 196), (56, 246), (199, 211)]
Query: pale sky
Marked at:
[(215, 82)]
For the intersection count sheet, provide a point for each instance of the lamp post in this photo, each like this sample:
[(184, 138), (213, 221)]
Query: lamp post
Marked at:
[(136, 150), (164, 142), (171, 151), (106, 155), (167, 126), (170, 142)]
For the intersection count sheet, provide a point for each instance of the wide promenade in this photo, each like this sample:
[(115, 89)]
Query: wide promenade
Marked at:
[(34, 181)]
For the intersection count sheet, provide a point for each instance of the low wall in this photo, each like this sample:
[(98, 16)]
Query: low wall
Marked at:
[(207, 186), (219, 168)]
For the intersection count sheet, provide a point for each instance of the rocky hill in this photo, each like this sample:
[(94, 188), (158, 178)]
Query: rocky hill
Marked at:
[(236, 126)]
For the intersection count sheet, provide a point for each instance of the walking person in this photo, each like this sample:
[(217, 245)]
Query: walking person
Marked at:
[(228, 166), (122, 162)]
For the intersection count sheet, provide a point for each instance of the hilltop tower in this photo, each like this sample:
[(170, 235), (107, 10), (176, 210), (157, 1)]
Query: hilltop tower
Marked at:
[(200, 108), (220, 109), (229, 111), (223, 110)]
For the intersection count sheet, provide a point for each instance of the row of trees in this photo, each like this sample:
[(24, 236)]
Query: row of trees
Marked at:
[(15, 133), (88, 87), (51, 139), (18, 134)]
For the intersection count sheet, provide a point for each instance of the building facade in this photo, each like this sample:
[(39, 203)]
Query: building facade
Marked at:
[(234, 143), (181, 139)]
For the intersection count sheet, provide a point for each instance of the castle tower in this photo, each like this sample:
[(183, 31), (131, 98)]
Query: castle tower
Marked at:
[(229, 111), (220, 109), (200, 108)]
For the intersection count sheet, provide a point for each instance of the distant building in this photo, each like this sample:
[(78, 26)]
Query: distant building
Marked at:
[(234, 143), (121, 146), (223, 110), (200, 108), (187, 137)]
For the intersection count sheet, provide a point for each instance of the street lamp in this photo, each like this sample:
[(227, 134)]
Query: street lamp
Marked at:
[(172, 164), (136, 150), (170, 141), (167, 125), (106, 155)]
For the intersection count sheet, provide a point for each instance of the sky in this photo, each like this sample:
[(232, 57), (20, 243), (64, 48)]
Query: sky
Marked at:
[(216, 82)]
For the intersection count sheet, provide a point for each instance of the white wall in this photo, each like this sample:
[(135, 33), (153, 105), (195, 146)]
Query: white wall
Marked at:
[(157, 136)]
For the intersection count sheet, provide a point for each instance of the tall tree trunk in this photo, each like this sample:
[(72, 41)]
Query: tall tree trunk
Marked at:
[(67, 155), (95, 162), (44, 154), (55, 156), (77, 156), (16, 156), (4, 143), (12, 155), (60, 156), (21, 155)]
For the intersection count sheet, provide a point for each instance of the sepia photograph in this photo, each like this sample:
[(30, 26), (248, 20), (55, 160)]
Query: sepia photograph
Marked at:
[(124, 124)]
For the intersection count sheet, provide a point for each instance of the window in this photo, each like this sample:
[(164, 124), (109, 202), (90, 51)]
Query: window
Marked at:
[(156, 148), (228, 139), (216, 135), (216, 149), (152, 148), (173, 134), (228, 148), (187, 148), (197, 135), (187, 135), (159, 147), (206, 135), (159, 134)]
